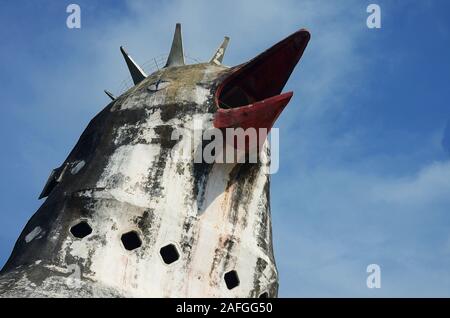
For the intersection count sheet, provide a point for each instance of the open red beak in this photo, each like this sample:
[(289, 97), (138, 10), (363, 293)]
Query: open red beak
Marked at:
[(250, 96)]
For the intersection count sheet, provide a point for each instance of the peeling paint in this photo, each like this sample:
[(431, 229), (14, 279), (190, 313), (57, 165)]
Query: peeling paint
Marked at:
[(35, 234), (77, 167)]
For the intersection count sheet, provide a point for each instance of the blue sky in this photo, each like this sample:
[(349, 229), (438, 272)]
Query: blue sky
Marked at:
[(365, 163)]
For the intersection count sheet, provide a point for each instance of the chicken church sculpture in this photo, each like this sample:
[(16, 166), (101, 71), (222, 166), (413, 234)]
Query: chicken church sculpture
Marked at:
[(124, 216)]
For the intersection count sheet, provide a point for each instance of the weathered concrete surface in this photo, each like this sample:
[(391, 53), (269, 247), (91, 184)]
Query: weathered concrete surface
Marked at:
[(125, 175)]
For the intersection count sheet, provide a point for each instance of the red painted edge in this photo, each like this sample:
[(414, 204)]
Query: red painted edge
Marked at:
[(262, 114)]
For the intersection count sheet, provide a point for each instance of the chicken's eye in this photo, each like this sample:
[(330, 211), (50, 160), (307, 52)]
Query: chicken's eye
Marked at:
[(158, 85)]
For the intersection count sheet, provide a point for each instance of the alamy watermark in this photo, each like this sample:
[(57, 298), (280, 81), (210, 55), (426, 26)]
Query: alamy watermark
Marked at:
[(227, 145), (74, 279), (73, 21), (374, 19), (374, 277)]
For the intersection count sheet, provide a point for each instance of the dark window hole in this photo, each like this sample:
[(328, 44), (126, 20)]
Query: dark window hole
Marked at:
[(131, 241), (169, 254), (231, 279), (81, 230)]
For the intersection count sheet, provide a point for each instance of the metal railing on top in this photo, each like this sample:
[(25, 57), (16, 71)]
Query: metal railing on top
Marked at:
[(149, 67)]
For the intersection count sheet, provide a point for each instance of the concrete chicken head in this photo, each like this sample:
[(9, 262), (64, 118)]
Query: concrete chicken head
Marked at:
[(134, 211)]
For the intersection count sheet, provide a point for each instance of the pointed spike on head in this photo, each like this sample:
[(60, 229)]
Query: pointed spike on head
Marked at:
[(218, 56), (176, 55), (110, 95), (136, 72)]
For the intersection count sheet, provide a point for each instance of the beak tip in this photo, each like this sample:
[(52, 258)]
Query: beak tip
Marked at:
[(301, 39), (304, 33)]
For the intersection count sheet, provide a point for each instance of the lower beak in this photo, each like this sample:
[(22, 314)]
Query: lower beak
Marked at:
[(260, 114)]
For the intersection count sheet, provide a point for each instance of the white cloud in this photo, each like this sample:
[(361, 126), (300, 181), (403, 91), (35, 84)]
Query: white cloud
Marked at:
[(331, 222), (430, 185)]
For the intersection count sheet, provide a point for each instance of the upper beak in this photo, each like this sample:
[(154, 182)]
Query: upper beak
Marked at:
[(250, 96)]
